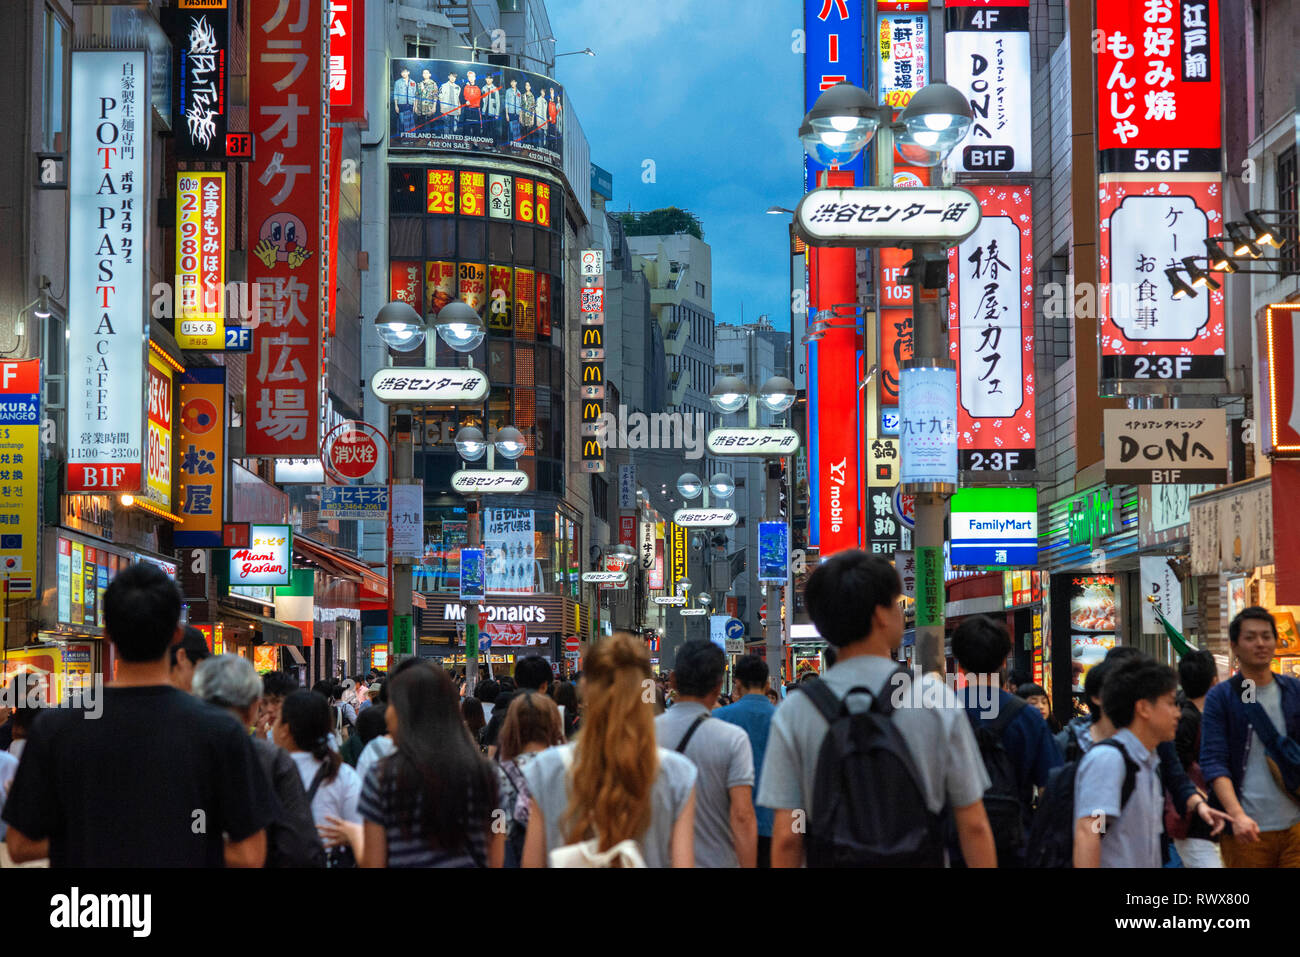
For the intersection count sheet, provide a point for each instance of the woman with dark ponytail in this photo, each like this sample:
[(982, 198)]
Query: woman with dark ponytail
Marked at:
[(332, 786)]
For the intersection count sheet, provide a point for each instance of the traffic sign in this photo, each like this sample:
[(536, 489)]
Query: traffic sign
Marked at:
[(735, 629)]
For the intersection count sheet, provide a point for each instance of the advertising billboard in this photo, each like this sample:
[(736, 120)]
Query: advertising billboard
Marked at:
[(285, 206), (991, 312), (1281, 398), (986, 48), (995, 527), (201, 457), (928, 426), (832, 54), (200, 260), (20, 422), (773, 552), (158, 478), (901, 50), (200, 35), (267, 558), (108, 226), (481, 108), (347, 61)]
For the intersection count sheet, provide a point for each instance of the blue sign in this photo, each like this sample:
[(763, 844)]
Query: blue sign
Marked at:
[(473, 574), (354, 502), (239, 338), (889, 420), (734, 629), (832, 54), (773, 552)]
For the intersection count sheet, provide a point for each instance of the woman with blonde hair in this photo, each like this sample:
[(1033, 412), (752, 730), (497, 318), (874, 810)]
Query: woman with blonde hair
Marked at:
[(614, 784)]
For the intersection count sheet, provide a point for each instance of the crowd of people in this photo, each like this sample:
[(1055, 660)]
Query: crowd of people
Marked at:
[(196, 760)]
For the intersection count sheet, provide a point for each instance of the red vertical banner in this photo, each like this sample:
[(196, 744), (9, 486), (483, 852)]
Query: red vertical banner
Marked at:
[(991, 334), (543, 306), (406, 284), (833, 282), (347, 61), (523, 199), (336, 176), (287, 115)]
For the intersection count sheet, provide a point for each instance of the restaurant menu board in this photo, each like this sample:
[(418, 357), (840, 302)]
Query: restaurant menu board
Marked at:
[(1093, 623)]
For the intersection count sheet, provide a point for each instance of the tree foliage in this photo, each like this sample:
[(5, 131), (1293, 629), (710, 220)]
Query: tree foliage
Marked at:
[(662, 222)]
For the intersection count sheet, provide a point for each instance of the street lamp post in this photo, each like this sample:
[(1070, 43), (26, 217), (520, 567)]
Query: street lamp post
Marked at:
[(840, 124)]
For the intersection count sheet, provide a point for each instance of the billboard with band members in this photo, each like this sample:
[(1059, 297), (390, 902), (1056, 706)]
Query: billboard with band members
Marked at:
[(475, 108)]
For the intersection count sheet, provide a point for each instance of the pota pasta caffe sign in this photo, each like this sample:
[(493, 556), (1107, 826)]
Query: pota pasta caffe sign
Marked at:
[(266, 560)]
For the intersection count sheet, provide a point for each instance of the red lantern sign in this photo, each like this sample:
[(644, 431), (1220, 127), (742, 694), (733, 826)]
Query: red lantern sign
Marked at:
[(351, 451)]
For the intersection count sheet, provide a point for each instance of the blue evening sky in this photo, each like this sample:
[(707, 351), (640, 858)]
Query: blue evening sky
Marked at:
[(712, 92)]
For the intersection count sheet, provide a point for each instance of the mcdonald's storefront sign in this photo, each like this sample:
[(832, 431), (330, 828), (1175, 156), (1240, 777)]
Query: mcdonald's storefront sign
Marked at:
[(593, 372), (593, 396)]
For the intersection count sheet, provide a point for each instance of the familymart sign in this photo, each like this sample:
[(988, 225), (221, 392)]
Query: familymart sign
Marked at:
[(995, 527)]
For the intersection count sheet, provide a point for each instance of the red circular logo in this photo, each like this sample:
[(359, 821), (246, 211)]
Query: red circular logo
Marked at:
[(354, 454)]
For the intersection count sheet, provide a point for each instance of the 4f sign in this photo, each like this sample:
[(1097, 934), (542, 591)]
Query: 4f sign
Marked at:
[(593, 262)]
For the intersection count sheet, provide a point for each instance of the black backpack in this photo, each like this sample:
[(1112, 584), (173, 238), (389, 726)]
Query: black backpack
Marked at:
[(1003, 801), (1051, 838), (868, 804)]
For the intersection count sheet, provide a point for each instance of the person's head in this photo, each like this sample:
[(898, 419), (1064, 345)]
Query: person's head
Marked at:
[(487, 691), (1140, 692), (371, 724), (773, 695), (981, 646), (472, 709), (508, 685), (406, 74), (23, 720), (1197, 673), (533, 719), (305, 725), (751, 674), (230, 682), (532, 673), (142, 611), (327, 689), (275, 686), (616, 759), (854, 596), (1035, 695), (699, 671), (1253, 636), (565, 695), (469, 77), (1017, 678), (437, 764), (185, 655), (1092, 685)]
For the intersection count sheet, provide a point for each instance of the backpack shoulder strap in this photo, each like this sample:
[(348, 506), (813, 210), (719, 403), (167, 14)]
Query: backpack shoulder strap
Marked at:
[(1130, 772), (316, 782), (690, 733), (822, 697), (1007, 714)]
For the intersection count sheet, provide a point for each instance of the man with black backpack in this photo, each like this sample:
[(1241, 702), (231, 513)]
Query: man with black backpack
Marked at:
[(1013, 738), (860, 765), (1118, 795)]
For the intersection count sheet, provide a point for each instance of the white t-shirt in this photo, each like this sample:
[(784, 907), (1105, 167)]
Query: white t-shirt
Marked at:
[(338, 797), (379, 748)]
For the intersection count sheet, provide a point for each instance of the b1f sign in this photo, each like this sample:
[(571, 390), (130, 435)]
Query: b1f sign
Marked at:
[(108, 222), (987, 51)]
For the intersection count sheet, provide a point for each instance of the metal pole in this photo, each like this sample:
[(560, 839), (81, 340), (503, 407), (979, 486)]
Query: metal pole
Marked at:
[(475, 537), (388, 553), (403, 462)]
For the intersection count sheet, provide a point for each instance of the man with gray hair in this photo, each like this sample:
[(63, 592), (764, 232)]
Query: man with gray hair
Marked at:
[(229, 682)]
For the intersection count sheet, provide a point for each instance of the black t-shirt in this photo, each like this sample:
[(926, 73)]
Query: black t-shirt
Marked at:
[(154, 781)]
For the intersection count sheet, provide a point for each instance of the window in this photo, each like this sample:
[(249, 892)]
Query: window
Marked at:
[(599, 496), (53, 122), (414, 48), (1286, 199), (699, 290)]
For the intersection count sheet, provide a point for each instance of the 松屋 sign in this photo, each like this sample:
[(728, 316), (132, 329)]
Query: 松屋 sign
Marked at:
[(1166, 446), (768, 441), (876, 216), (108, 222), (433, 386), (995, 527), (266, 560), (479, 481), (705, 517)]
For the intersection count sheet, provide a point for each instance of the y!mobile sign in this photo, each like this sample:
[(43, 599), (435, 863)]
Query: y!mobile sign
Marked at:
[(991, 306), (987, 52), (286, 113), (832, 54), (107, 269)]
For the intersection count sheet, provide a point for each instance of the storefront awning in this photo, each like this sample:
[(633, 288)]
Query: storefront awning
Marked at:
[(296, 655), (332, 560), (273, 632), (374, 593)]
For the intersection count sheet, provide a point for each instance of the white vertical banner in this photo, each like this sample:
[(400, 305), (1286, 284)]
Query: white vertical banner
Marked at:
[(992, 360), (508, 538), (407, 513), (1160, 582), (986, 48), (108, 262), (646, 545)]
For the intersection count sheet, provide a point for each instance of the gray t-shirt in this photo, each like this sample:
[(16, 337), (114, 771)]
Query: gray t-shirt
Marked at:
[(939, 738), (721, 753), (1131, 838), (1261, 798), (548, 782)]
